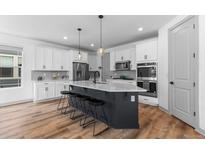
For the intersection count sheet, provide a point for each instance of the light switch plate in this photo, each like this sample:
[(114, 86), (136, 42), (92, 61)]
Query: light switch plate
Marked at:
[(132, 98)]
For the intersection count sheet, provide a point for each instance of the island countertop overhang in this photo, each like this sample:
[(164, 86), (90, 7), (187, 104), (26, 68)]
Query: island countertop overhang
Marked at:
[(107, 87)]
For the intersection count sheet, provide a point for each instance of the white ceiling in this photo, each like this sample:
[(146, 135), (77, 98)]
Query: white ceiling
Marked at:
[(117, 29)]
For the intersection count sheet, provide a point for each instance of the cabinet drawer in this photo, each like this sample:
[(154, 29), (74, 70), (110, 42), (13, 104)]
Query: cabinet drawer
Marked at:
[(148, 100)]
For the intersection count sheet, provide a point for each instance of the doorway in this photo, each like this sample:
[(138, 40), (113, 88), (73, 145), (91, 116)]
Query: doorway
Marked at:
[(183, 71)]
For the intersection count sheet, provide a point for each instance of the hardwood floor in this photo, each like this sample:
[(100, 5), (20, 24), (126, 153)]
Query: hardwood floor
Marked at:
[(41, 120)]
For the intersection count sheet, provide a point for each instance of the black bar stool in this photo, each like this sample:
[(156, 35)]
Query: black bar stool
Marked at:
[(96, 110), (64, 102), (79, 105)]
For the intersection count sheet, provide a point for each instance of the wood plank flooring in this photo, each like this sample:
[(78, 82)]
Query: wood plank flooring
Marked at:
[(42, 120)]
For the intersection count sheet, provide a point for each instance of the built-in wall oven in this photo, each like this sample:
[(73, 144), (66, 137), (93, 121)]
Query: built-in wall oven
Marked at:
[(147, 77)]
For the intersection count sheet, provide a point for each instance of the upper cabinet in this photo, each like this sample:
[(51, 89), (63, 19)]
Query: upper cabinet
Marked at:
[(146, 50), (123, 53), (43, 58), (47, 58)]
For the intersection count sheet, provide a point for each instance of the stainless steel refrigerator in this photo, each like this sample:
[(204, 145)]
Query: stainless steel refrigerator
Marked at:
[(80, 71)]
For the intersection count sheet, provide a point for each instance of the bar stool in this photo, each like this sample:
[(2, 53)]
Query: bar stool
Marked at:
[(96, 110), (65, 95), (78, 104)]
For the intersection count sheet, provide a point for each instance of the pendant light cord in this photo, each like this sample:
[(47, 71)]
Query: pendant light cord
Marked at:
[(79, 40), (101, 33)]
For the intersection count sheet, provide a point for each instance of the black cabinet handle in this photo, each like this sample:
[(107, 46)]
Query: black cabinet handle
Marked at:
[(171, 82)]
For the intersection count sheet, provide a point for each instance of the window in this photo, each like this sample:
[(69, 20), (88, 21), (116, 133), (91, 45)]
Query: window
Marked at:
[(10, 66)]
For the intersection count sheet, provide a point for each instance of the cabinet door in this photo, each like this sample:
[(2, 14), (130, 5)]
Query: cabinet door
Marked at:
[(59, 88), (57, 59), (151, 50), (65, 60), (40, 92), (112, 60), (50, 90), (48, 58), (124, 54), (146, 50), (84, 56), (67, 87), (119, 55), (39, 58), (140, 52), (132, 57)]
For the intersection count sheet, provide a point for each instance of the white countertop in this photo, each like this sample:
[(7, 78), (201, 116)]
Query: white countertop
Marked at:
[(108, 87)]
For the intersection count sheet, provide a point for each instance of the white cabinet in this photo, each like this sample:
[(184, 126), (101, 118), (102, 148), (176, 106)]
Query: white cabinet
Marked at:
[(47, 58), (44, 90), (43, 58), (49, 90), (60, 60), (57, 59), (148, 100), (146, 50), (112, 61), (60, 86), (124, 54), (132, 58), (121, 81)]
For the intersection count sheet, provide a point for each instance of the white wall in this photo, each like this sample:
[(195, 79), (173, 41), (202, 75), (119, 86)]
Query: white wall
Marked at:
[(202, 72), (163, 66), (163, 62), (25, 92)]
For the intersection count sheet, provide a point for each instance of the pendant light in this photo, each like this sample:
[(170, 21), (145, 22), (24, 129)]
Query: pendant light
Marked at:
[(101, 50), (79, 53)]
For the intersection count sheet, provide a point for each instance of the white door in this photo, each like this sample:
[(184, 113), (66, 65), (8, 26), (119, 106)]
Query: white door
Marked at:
[(181, 69)]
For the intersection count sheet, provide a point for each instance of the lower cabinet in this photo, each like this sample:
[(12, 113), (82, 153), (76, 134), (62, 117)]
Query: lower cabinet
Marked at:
[(132, 82), (48, 90), (60, 86), (148, 100)]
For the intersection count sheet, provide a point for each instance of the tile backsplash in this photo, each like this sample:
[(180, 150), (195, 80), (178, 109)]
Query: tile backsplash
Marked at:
[(49, 75)]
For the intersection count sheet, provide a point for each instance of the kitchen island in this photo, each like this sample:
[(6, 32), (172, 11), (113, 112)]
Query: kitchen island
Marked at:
[(121, 105)]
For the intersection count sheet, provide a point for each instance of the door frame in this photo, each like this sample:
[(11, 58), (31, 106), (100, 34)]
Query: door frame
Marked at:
[(196, 68)]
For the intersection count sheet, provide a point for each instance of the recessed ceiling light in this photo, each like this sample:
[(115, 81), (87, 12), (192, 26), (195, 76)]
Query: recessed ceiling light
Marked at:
[(140, 29), (65, 37), (92, 45)]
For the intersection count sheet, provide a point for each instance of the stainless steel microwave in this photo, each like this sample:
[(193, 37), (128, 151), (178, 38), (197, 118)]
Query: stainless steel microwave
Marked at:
[(122, 65)]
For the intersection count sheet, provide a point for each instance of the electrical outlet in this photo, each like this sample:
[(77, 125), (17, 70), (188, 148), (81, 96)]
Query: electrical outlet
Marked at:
[(132, 98)]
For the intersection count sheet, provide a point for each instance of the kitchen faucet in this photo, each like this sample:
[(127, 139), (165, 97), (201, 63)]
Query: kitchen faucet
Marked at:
[(95, 73)]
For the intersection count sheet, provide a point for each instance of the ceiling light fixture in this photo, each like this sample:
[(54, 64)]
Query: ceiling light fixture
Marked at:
[(79, 53), (65, 37), (101, 50), (92, 45), (140, 29)]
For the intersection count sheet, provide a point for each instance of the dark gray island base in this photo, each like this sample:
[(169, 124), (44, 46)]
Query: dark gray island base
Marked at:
[(121, 108)]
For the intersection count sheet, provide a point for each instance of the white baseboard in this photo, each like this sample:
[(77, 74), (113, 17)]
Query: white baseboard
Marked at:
[(45, 100), (201, 131), (16, 102)]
